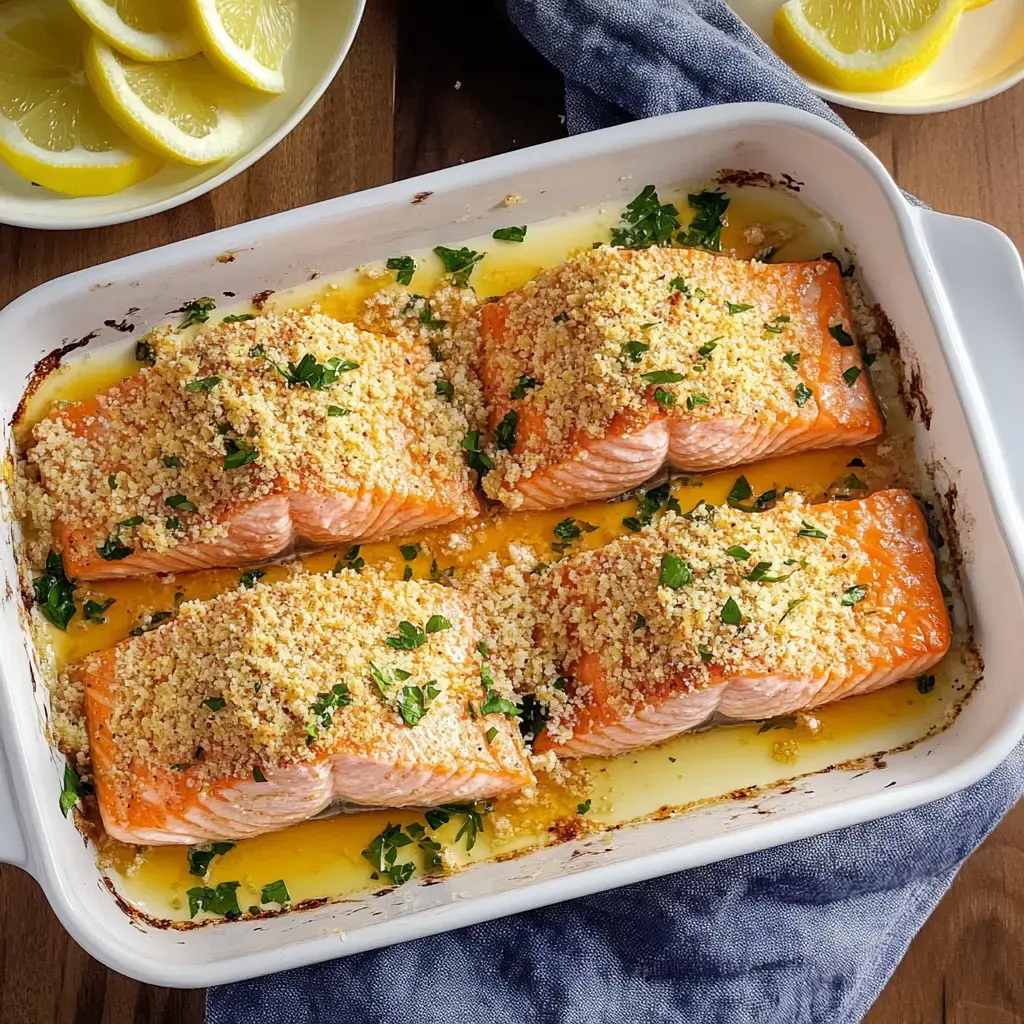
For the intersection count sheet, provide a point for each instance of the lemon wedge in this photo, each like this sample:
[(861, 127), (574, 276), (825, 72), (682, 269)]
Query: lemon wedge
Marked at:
[(142, 29), (181, 109), (247, 39), (864, 45), (52, 130)]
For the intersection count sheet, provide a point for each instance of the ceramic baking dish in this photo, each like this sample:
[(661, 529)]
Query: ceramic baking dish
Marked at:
[(954, 290)]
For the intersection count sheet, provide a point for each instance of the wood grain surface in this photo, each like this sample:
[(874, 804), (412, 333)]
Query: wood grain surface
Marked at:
[(427, 86)]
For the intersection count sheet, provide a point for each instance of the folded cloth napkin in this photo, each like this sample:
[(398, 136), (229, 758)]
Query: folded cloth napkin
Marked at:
[(802, 934)]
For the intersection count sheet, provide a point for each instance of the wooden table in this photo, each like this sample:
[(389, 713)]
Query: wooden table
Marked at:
[(431, 85)]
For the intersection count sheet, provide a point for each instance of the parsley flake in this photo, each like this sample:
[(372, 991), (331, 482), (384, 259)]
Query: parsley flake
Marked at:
[(730, 613), (524, 384), (705, 230), (675, 573), (840, 334), (512, 234), (459, 263), (801, 393), (196, 312), (54, 592), (850, 375), (853, 595), (406, 267), (646, 222)]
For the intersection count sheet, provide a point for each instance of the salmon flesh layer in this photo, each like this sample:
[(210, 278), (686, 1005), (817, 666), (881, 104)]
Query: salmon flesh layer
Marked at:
[(601, 371), (260, 708), (243, 439), (747, 615)]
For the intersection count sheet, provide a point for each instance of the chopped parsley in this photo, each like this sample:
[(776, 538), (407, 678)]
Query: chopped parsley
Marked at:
[(428, 320), (738, 307), (692, 401), (238, 454), (737, 552), (257, 774), (311, 374), (438, 575), (583, 807), (444, 388), (350, 560), (662, 377), (730, 613), (54, 592), (810, 530), (560, 318), (639, 622), (741, 494), (533, 716), (795, 603), (337, 410), (223, 900), (512, 234), (781, 722), (93, 610), (705, 230), (181, 504), (678, 284), (323, 709), (409, 637), (475, 457), (112, 481), (490, 734), (383, 852), (495, 704), (406, 267), (791, 359), (664, 398), (850, 375), (203, 384), (705, 653), (459, 263), (569, 530), (634, 350), (437, 624), (646, 222), (925, 684), (215, 703), (410, 551), (853, 595), (648, 504), (505, 432), (801, 393), (675, 573), (471, 827), (759, 574), (248, 579), (150, 622), (840, 334), (172, 462), (276, 892), (196, 312), (708, 347), (144, 353), (112, 550), (201, 857), (237, 318), (71, 790), (524, 384)]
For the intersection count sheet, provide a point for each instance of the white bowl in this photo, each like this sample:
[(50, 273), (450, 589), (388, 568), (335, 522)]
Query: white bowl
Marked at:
[(326, 29)]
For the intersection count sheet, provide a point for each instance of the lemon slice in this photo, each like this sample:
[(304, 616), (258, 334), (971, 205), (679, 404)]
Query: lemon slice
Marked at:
[(247, 39), (864, 45), (142, 29), (52, 130), (181, 109)]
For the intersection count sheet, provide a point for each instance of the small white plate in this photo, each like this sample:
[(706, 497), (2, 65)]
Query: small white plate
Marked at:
[(985, 57), (326, 29)]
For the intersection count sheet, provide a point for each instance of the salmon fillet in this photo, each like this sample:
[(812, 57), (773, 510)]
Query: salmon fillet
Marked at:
[(261, 707), (747, 615), (244, 439), (599, 372)]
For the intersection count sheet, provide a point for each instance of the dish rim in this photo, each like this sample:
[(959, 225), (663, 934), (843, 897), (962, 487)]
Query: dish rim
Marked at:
[(40, 859)]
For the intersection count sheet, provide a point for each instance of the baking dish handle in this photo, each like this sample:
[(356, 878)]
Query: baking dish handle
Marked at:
[(13, 848), (982, 278)]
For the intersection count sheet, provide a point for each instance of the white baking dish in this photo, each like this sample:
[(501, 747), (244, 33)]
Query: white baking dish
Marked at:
[(954, 290)]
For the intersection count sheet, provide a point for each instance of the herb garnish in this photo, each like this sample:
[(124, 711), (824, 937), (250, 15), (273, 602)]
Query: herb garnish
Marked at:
[(646, 222), (238, 454), (112, 550), (738, 307), (705, 230), (181, 504), (314, 375), (201, 857), (705, 653), (741, 493), (925, 684), (71, 790), (662, 377), (383, 852), (444, 388), (505, 432), (54, 592), (791, 359), (248, 579), (675, 573), (93, 610), (839, 333), (409, 551), (569, 530), (850, 375), (692, 401), (144, 353), (648, 504), (337, 410), (730, 613), (708, 347), (475, 457), (639, 622), (196, 312), (853, 595), (428, 319), (202, 385), (583, 807), (792, 604), (405, 265), (737, 552), (495, 704), (524, 384), (678, 284), (323, 709), (257, 774), (634, 350), (220, 900), (459, 263), (172, 462), (413, 702), (471, 827), (512, 234), (801, 393), (350, 560), (810, 530), (276, 892), (409, 637), (237, 318)]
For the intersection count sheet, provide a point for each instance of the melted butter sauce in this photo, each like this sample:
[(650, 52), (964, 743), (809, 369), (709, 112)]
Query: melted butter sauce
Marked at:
[(322, 858)]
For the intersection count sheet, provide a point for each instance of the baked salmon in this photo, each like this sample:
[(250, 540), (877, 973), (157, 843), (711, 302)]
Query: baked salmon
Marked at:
[(748, 615), (599, 372), (261, 707), (241, 440)]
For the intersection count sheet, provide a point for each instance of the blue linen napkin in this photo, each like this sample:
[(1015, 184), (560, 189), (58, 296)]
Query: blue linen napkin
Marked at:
[(806, 933)]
